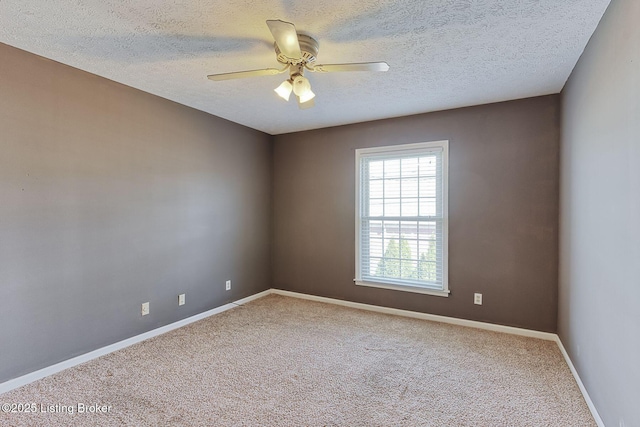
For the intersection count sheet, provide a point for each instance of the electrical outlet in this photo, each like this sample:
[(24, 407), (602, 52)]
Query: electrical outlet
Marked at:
[(145, 308), (477, 299), (227, 286), (181, 299)]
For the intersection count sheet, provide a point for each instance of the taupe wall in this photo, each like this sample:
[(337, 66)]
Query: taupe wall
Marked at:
[(110, 197), (503, 232), (599, 313)]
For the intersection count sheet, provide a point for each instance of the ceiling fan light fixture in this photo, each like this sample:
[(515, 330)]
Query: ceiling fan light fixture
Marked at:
[(284, 90), (297, 52), (301, 85), (307, 96)]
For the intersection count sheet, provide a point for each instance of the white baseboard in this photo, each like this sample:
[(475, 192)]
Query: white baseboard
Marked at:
[(50, 370), (583, 389), (252, 297), (424, 316)]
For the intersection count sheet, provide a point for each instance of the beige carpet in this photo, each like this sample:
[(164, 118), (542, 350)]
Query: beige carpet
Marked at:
[(286, 362)]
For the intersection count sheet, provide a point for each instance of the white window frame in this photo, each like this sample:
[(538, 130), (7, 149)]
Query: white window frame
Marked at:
[(406, 149)]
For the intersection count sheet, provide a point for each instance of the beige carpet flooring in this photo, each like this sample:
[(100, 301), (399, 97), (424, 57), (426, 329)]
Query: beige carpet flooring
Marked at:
[(281, 361)]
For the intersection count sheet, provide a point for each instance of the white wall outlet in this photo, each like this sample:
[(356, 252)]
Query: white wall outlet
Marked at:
[(227, 286), (477, 299), (145, 308), (181, 299)]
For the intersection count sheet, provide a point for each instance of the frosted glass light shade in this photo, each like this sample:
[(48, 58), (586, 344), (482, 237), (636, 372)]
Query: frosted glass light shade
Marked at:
[(307, 96), (284, 90), (301, 85)]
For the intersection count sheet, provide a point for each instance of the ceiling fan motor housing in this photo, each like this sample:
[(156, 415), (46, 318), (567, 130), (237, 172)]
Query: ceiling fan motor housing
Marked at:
[(308, 46)]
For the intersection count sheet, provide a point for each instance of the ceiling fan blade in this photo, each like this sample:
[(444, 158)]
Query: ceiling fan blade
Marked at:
[(363, 66), (304, 105), (286, 37), (243, 74)]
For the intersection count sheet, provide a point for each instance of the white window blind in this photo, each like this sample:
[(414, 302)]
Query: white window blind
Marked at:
[(401, 218)]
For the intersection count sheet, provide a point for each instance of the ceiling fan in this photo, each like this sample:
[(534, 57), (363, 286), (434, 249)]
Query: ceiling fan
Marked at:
[(298, 52)]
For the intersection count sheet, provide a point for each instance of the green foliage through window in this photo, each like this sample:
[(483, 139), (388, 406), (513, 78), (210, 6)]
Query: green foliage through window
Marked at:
[(398, 262)]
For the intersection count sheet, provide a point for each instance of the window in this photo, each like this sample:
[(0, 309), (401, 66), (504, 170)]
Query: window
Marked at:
[(401, 217)]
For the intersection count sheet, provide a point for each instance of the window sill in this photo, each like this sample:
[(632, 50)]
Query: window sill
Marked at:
[(404, 288)]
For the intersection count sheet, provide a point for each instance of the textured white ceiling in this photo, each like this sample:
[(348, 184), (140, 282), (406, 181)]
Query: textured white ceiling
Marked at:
[(442, 53)]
